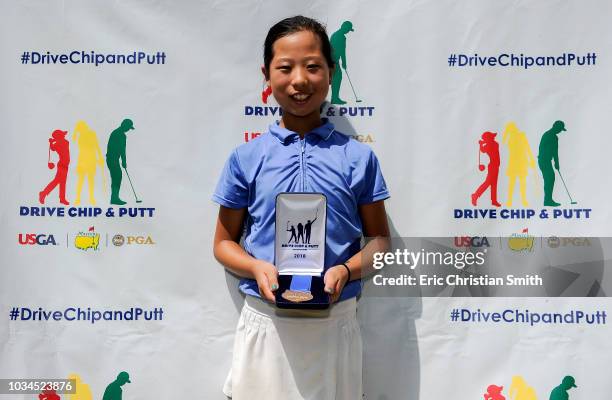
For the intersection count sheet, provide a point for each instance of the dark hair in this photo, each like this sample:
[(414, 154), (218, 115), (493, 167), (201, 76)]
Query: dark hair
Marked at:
[(292, 25)]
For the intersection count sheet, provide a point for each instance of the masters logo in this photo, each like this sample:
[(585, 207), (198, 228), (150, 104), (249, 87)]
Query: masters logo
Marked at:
[(521, 241), (535, 184), (87, 240)]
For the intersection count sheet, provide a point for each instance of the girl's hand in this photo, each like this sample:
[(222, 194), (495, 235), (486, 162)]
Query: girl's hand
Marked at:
[(335, 278), (266, 276)]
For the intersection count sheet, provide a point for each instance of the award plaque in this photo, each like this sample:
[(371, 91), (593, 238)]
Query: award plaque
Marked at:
[(299, 250)]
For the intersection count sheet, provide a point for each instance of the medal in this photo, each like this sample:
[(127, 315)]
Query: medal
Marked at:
[(296, 296)]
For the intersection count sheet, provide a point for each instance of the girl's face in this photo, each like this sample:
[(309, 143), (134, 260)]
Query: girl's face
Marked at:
[(299, 75)]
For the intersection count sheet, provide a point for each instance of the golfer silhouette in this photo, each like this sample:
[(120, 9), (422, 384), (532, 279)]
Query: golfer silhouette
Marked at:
[(89, 158), (115, 151), (519, 390), (560, 392), (519, 161), (61, 146), (489, 146), (308, 227), (494, 393), (82, 391), (265, 94), (48, 394), (300, 234), (113, 390), (338, 44), (549, 151), (292, 230)]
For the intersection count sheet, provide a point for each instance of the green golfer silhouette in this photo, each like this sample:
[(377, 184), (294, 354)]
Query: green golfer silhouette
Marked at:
[(113, 390), (338, 44), (549, 151), (115, 150), (560, 392)]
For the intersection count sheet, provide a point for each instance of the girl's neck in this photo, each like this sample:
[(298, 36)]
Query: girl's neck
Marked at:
[(301, 125)]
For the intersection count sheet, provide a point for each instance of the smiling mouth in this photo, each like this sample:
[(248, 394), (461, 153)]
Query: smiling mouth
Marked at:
[(300, 97)]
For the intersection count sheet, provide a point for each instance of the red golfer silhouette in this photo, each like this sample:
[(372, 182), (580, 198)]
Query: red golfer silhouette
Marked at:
[(48, 394), (494, 393), (490, 147), (61, 146), (265, 94)]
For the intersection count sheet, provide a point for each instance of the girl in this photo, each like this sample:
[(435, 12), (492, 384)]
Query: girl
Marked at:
[(281, 354)]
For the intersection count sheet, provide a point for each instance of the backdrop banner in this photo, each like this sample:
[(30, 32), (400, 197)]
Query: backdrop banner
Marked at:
[(489, 123)]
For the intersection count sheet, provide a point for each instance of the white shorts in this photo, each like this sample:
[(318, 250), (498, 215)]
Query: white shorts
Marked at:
[(296, 354)]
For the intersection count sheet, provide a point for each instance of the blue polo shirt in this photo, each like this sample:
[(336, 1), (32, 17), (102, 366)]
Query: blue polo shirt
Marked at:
[(325, 161)]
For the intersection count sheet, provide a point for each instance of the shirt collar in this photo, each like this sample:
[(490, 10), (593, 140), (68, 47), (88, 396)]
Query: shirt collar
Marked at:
[(324, 131)]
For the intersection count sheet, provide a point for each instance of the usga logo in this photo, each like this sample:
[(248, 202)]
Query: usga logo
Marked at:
[(555, 241), (468, 241), (251, 135), (36, 239), (120, 240)]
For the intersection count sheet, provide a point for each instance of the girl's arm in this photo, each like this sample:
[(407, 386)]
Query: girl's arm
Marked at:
[(228, 252), (374, 222)]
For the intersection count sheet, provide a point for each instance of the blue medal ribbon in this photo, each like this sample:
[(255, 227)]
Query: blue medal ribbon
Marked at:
[(301, 283)]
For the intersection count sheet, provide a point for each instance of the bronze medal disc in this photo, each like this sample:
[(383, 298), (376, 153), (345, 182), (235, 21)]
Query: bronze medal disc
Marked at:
[(296, 296)]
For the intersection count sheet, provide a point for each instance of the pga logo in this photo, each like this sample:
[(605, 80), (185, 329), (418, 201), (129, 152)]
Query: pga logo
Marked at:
[(36, 239), (120, 240), (471, 241), (555, 241)]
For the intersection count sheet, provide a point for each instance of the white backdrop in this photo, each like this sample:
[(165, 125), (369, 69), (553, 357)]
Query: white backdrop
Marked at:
[(422, 117)]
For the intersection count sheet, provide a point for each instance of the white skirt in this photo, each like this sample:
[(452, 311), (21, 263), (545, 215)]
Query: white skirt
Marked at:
[(296, 354)]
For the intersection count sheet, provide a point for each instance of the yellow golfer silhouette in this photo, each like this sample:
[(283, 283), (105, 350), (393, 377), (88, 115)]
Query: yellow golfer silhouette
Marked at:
[(82, 391), (90, 156), (519, 390), (520, 160)]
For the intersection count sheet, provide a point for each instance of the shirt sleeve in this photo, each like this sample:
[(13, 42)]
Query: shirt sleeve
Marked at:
[(232, 190), (373, 187)]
